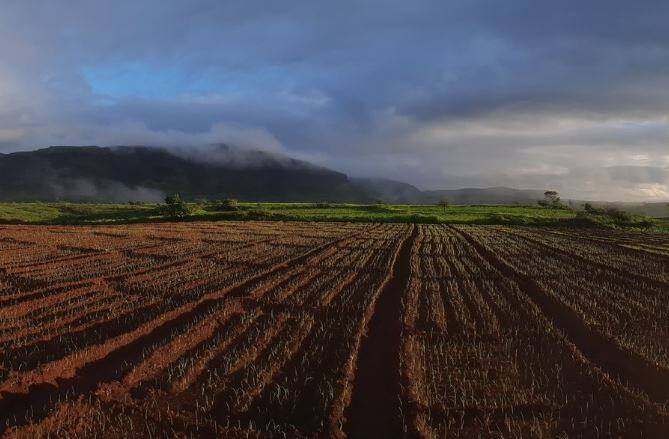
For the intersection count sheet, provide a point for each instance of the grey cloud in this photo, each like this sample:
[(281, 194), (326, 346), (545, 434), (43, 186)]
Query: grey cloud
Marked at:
[(525, 93), (639, 174)]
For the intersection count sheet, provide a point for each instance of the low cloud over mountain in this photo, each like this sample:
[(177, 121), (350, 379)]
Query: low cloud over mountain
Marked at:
[(444, 94)]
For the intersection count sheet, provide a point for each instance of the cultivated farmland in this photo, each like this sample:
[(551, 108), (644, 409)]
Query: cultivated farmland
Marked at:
[(253, 329)]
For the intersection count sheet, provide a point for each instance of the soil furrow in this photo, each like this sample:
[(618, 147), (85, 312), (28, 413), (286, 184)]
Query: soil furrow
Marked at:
[(374, 410), (631, 369), (587, 261), (40, 397)]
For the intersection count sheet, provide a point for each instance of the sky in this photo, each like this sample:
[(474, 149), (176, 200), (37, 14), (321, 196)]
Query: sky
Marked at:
[(570, 95)]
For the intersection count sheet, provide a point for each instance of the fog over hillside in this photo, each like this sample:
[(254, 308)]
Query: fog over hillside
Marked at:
[(138, 173), (121, 174)]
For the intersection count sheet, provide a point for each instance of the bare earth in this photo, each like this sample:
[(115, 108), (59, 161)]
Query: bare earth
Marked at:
[(257, 329)]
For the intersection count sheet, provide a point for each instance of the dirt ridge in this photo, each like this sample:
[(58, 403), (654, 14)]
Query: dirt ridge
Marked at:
[(374, 410), (41, 397), (587, 261), (629, 368)]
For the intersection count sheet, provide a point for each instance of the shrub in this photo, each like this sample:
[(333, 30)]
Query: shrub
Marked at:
[(176, 207), (646, 223), (173, 199), (552, 201), (618, 215), (227, 205), (587, 219), (258, 214), (498, 218), (612, 217)]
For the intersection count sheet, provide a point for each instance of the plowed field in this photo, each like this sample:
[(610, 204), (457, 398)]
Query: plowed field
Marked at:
[(256, 329)]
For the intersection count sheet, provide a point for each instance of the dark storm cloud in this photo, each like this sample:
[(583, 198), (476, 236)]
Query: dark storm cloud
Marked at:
[(438, 93)]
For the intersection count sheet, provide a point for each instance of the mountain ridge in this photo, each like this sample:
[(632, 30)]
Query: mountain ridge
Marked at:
[(142, 173)]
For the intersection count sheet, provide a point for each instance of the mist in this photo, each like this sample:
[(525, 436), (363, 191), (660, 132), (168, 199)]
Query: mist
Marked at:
[(81, 189), (236, 157)]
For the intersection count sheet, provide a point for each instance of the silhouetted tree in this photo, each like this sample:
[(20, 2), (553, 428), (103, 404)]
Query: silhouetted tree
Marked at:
[(176, 207), (228, 204), (551, 199)]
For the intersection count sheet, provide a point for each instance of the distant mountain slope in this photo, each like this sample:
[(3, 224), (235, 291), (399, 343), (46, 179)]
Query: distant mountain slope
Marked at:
[(147, 174), (388, 191), (139, 173), (492, 195)]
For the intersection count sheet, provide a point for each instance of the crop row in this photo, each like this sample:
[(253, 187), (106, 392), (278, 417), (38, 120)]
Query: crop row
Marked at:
[(609, 296), (267, 329), (479, 357), (210, 335)]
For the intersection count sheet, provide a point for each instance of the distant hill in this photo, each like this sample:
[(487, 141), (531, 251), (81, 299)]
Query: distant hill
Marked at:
[(652, 209), (140, 173), (147, 174), (388, 191), (492, 195)]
